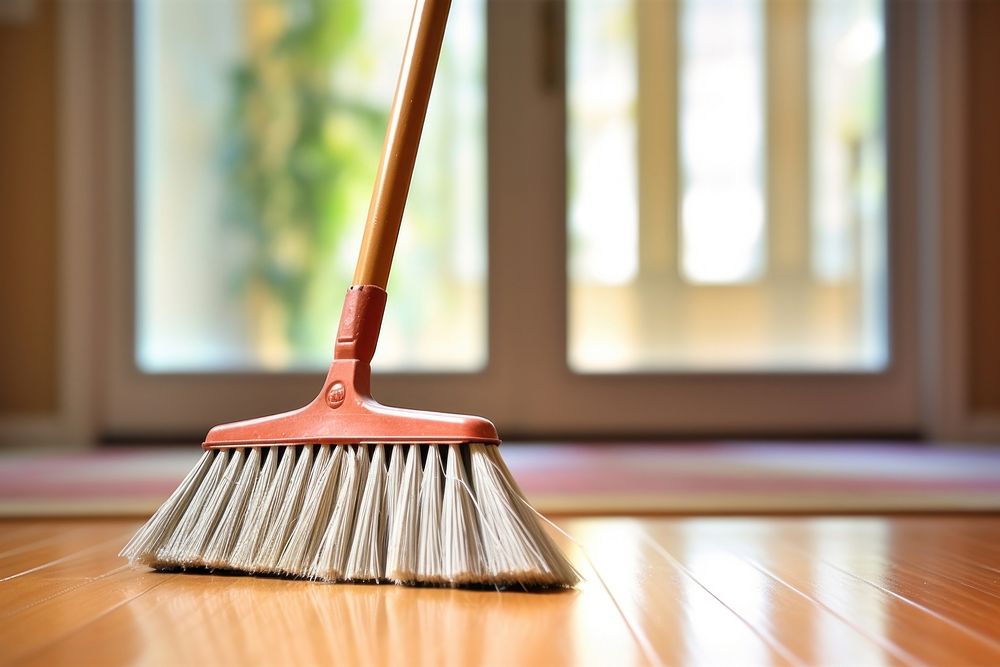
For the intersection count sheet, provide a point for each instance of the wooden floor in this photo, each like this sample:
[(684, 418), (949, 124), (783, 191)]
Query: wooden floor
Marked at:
[(823, 591)]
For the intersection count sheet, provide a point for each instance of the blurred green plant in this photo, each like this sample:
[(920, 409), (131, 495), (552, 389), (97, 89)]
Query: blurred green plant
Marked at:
[(298, 154)]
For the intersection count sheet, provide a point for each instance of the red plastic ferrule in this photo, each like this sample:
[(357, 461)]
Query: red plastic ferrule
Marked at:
[(360, 323)]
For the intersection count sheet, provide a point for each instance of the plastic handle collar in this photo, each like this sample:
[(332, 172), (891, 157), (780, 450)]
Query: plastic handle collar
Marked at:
[(360, 323)]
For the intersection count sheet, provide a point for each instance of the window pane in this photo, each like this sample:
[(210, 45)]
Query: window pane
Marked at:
[(726, 185), (260, 125), (603, 214), (848, 161), (721, 122)]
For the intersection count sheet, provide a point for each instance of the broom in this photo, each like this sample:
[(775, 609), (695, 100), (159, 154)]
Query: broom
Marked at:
[(345, 489)]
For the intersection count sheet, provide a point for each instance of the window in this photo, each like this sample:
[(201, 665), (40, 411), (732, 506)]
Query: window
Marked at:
[(727, 198), (259, 130)]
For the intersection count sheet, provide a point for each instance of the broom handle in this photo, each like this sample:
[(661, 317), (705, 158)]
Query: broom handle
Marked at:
[(402, 136)]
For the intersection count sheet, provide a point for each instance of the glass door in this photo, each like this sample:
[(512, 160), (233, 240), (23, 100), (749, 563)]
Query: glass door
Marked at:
[(628, 218)]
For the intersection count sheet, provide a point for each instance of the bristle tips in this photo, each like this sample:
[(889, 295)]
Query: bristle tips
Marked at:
[(409, 514)]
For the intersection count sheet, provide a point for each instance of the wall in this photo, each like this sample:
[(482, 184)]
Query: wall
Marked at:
[(982, 127), (28, 208)]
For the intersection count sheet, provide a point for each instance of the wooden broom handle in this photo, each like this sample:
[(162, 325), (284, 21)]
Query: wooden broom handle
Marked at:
[(402, 136)]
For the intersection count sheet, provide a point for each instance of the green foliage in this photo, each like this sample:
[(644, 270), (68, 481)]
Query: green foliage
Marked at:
[(297, 153)]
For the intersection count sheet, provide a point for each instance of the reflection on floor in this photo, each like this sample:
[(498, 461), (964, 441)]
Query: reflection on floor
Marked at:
[(723, 591)]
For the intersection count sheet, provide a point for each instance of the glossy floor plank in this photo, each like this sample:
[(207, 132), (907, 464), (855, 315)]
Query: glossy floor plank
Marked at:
[(44, 552), (673, 591), (18, 537)]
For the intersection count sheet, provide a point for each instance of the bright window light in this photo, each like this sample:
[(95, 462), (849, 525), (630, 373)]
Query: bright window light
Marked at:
[(259, 129)]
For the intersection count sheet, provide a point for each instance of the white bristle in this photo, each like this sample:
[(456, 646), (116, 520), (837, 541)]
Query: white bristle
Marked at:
[(221, 545), (211, 513), (147, 540), (254, 525), (336, 544), (393, 485), (462, 558), (429, 568), (366, 561), (173, 549), (329, 512), (316, 507), (401, 556), (517, 548), (267, 513), (281, 525)]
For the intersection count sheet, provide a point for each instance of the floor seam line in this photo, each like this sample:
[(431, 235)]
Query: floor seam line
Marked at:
[(90, 621), (895, 650), (59, 561), (639, 637), (922, 608), (763, 636)]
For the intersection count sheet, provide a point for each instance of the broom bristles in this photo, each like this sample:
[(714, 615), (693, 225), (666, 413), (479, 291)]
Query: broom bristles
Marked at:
[(366, 561), (409, 514)]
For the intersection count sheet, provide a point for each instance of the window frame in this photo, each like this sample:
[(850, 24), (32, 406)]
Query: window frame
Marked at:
[(527, 388)]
